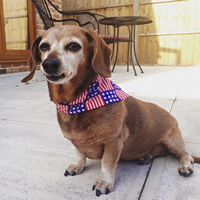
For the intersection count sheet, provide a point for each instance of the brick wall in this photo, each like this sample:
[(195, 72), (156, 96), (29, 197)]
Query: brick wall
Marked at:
[(19, 67), (13, 67)]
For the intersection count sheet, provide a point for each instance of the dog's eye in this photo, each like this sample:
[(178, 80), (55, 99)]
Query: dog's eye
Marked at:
[(73, 46), (44, 47)]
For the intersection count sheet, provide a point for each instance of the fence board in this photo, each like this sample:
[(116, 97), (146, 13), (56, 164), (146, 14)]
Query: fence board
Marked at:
[(173, 37), (16, 23)]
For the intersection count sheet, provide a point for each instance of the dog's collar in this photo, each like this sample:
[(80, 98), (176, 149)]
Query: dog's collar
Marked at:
[(100, 93)]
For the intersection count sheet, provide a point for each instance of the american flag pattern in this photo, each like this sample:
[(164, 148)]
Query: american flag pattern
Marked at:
[(100, 93)]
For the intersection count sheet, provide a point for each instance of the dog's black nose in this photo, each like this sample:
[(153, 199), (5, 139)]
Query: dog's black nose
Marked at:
[(51, 65)]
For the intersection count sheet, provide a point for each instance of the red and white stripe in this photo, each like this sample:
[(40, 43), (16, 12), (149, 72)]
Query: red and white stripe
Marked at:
[(121, 94), (62, 108), (104, 84), (80, 99), (94, 102)]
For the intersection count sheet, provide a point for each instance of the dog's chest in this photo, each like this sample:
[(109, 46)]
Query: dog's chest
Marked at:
[(87, 143), (83, 133), (92, 151)]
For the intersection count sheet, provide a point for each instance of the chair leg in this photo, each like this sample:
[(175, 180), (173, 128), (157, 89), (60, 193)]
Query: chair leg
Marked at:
[(115, 57), (133, 62), (113, 49), (116, 50), (128, 57)]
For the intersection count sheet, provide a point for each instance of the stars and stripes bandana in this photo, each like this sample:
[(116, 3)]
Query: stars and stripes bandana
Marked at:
[(100, 93)]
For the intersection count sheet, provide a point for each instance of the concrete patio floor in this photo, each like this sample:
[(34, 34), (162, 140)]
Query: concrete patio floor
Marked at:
[(34, 154)]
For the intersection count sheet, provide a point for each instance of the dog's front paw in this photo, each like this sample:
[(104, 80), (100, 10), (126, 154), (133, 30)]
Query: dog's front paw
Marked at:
[(102, 187), (74, 170)]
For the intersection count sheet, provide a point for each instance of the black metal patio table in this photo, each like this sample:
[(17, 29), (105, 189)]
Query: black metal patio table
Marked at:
[(130, 22)]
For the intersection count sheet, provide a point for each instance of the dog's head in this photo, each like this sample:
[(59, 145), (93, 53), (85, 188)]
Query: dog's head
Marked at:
[(65, 50)]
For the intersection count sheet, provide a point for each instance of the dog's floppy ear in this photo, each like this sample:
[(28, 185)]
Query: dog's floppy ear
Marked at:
[(33, 60), (101, 54)]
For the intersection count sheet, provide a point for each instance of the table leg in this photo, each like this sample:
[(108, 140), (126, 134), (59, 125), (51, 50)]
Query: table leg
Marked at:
[(133, 43), (134, 49), (128, 50)]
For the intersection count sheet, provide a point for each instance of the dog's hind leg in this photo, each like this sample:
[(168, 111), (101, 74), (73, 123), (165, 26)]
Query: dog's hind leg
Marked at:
[(157, 151), (175, 144), (78, 166), (145, 160)]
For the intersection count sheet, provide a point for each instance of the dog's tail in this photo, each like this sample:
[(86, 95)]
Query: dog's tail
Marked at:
[(196, 159)]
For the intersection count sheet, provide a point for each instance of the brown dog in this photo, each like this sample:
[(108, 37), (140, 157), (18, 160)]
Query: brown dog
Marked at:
[(72, 58)]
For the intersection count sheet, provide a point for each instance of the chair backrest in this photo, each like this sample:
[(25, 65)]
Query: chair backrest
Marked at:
[(84, 19), (44, 12), (88, 22)]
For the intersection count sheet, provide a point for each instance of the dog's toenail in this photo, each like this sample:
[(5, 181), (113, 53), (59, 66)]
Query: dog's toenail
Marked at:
[(66, 173), (74, 174), (191, 171), (98, 193), (185, 174), (107, 190)]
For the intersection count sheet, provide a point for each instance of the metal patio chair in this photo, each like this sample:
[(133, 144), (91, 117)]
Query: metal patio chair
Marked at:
[(42, 7)]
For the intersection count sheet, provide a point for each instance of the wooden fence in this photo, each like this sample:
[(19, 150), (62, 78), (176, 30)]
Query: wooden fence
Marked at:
[(172, 39), (16, 24)]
